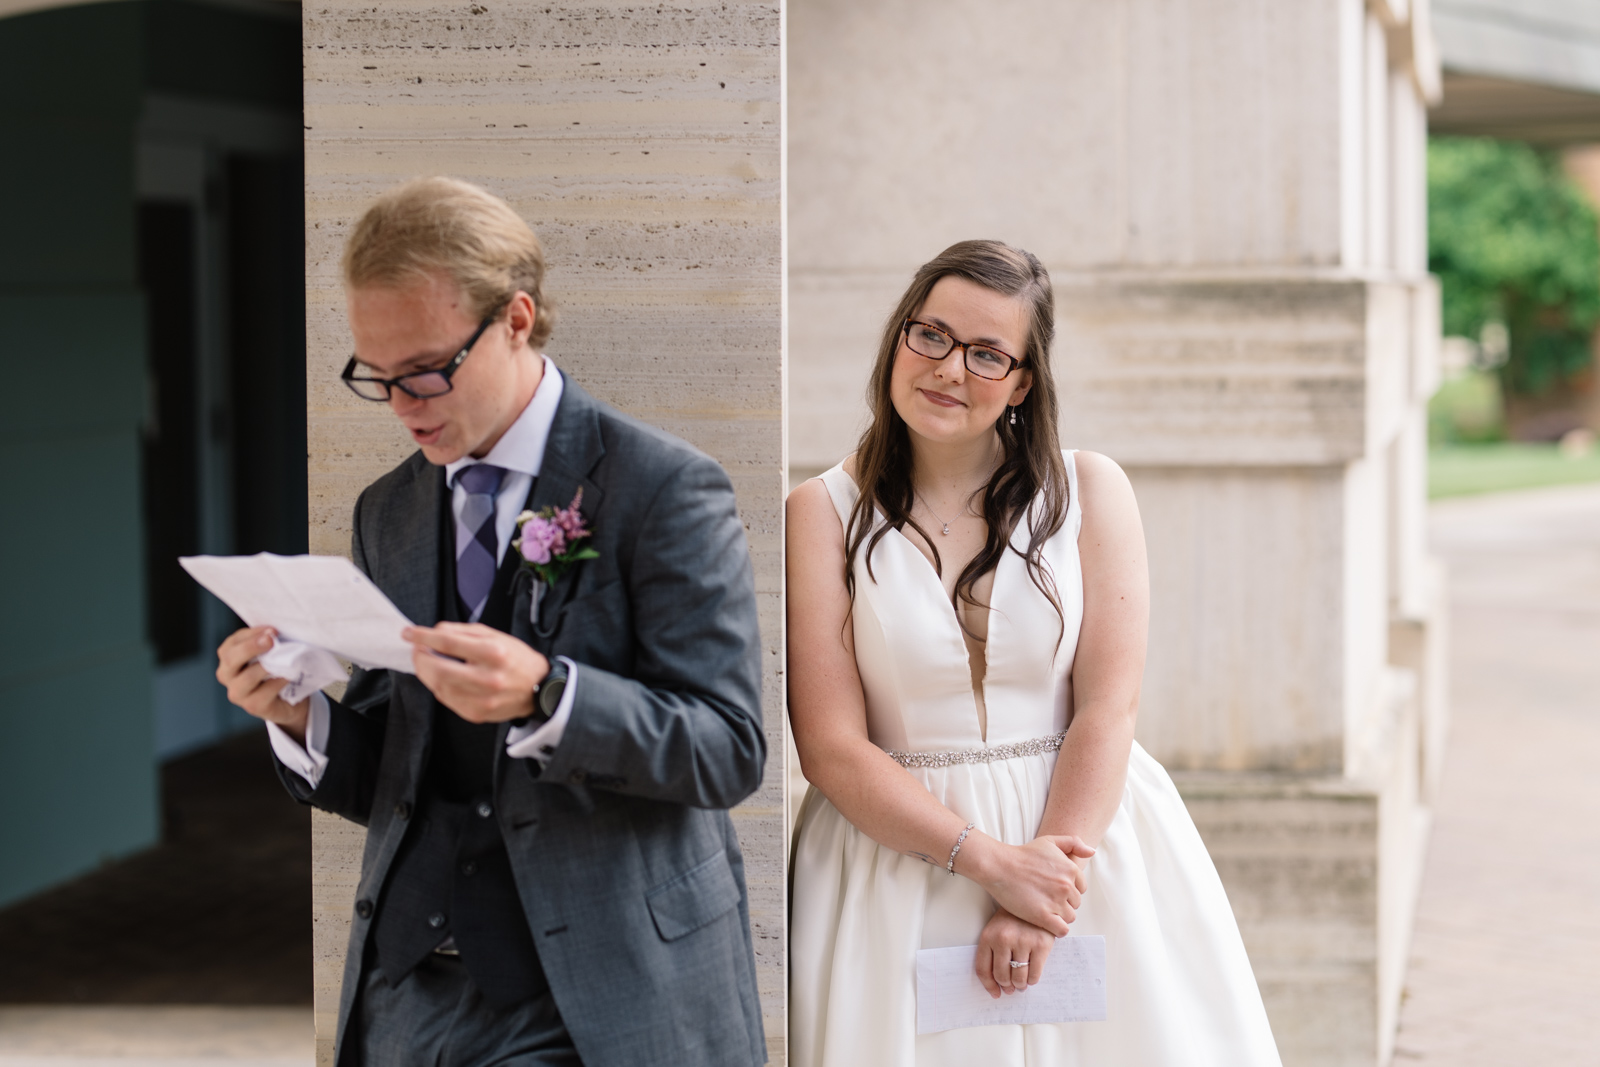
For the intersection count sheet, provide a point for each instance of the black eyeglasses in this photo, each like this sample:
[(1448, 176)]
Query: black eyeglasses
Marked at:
[(931, 342), (421, 384)]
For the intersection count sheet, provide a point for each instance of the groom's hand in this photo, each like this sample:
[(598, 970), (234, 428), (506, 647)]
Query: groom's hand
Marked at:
[(251, 688), (478, 672)]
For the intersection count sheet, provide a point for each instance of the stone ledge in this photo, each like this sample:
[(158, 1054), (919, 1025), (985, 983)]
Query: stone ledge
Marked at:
[(1235, 370)]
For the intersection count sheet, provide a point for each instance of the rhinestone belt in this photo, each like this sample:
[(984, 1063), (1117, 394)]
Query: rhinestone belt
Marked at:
[(1035, 747)]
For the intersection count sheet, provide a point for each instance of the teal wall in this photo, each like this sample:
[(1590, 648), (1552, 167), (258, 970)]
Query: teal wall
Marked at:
[(77, 777), (77, 771), (77, 767)]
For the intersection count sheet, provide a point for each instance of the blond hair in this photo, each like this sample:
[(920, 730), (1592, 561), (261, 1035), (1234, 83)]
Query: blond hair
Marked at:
[(432, 226)]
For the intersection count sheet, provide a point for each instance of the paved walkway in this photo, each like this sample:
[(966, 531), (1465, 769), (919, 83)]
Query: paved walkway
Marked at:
[(195, 953), (1505, 959), (154, 1036)]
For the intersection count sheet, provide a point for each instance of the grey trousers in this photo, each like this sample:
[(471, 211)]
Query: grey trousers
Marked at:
[(435, 1017)]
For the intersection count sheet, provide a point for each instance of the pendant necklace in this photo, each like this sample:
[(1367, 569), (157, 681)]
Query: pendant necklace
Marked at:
[(945, 523)]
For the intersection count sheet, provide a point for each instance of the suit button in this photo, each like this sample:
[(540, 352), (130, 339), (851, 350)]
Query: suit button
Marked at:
[(402, 811), (484, 810), (469, 868), (436, 920), (575, 776), (364, 908)]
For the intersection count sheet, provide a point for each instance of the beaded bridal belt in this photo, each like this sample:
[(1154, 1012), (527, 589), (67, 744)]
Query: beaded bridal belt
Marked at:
[(1035, 747)]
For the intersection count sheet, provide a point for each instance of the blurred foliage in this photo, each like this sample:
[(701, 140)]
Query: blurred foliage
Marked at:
[(1514, 240), (1467, 409)]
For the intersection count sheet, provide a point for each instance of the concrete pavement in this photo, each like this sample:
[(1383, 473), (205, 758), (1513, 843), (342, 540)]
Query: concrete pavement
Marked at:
[(1505, 958), (154, 1035)]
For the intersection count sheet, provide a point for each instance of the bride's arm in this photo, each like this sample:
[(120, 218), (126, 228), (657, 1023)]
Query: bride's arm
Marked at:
[(1087, 785), (828, 710), (1093, 766)]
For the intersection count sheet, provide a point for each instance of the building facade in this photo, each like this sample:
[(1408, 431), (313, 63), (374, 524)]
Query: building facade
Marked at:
[(1231, 201)]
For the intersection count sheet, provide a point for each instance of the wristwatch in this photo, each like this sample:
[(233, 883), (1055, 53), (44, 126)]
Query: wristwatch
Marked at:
[(547, 694)]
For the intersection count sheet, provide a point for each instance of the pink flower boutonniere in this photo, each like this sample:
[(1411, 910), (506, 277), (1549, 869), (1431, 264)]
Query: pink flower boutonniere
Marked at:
[(552, 539)]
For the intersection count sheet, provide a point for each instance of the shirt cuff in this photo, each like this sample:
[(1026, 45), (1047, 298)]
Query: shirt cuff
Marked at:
[(309, 760), (539, 742)]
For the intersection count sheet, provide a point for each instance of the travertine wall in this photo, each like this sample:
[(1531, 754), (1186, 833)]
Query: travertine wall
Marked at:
[(642, 144), (1230, 199)]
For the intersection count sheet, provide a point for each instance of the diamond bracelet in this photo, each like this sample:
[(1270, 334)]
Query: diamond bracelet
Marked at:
[(951, 866)]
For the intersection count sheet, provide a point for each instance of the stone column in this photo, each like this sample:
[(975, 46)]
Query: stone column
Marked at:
[(642, 144), (1230, 199)]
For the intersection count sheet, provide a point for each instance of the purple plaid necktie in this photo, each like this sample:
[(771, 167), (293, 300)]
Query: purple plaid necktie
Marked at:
[(477, 546)]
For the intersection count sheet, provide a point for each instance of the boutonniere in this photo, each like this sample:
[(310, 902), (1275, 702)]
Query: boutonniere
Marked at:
[(552, 539)]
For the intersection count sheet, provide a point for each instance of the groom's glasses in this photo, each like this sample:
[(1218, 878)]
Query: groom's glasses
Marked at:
[(421, 384)]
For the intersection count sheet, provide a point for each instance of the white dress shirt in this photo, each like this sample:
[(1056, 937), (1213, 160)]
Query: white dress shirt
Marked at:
[(520, 453)]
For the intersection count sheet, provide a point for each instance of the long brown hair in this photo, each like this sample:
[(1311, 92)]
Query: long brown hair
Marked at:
[(1031, 464)]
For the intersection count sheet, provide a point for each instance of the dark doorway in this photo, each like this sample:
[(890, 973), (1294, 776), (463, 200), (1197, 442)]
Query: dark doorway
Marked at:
[(166, 248), (266, 288)]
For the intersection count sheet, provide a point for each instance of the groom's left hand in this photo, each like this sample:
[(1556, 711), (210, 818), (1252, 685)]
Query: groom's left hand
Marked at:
[(478, 672)]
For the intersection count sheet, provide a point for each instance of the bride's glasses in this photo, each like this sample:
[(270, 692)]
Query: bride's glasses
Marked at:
[(933, 343)]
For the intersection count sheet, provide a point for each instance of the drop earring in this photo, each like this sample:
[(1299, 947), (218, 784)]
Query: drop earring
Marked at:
[(1013, 415)]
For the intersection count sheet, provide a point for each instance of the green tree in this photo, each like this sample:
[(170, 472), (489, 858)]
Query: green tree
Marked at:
[(1514, 240)]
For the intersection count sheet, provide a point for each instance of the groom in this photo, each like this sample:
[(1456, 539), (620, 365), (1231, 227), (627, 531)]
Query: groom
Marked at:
[(550, 875)]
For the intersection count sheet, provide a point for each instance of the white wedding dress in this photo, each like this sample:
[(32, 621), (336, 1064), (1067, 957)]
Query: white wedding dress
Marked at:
[(1179, 986)]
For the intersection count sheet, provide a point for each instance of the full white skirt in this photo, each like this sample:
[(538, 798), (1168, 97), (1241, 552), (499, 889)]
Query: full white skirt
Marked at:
[(1180, 990)]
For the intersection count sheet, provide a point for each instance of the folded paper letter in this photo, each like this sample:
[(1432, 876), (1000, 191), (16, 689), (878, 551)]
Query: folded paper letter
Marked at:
[(1073, 988), (318, 605)]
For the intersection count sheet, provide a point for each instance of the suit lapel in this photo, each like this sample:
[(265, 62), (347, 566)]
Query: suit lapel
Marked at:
[(416, 550), (573, 451)]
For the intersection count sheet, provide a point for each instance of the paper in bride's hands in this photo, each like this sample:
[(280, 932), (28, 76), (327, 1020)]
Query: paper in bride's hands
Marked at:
[(321, 601), (1073, 989)]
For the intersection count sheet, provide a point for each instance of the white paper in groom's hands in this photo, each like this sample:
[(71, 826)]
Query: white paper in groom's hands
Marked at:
[(307, 667), (324, 601), (1073, 989)]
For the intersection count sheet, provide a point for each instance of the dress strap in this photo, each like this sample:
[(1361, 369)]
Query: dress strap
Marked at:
[(841, 490), (1074, 519)]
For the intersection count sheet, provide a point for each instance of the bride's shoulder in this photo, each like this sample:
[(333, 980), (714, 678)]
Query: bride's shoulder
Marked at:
[(813, 532), (835, 483), (810, 495), (1094, 466), (813, 508), (1104, 492)]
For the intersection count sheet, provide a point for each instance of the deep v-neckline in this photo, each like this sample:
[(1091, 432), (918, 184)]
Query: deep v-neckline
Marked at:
[(950, 601), (980, 700)]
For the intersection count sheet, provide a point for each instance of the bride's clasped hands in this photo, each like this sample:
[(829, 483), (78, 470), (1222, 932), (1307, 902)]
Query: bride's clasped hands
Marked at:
[(1038, 888)]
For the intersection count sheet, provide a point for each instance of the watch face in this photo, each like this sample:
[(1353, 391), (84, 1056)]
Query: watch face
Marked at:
[(550, 696)]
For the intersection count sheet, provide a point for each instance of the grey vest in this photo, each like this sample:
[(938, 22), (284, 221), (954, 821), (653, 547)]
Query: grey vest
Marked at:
[(452, 875)]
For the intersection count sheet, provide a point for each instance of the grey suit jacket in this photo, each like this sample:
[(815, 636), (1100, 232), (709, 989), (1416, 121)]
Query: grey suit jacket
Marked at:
[(623, 853)]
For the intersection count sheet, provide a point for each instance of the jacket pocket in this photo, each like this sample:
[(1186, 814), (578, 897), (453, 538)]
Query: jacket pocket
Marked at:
[(694, 898), (602, 611)]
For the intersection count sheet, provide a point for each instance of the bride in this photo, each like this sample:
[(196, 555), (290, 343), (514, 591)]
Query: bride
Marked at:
[(966, 609)]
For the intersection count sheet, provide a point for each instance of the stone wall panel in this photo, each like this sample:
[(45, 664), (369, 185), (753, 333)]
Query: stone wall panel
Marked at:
[(642, 144)]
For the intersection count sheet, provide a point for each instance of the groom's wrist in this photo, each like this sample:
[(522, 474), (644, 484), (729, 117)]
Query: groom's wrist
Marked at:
[(293, 719), (546, 695)]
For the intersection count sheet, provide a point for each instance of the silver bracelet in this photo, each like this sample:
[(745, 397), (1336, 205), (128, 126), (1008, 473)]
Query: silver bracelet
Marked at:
[(951, 866)]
